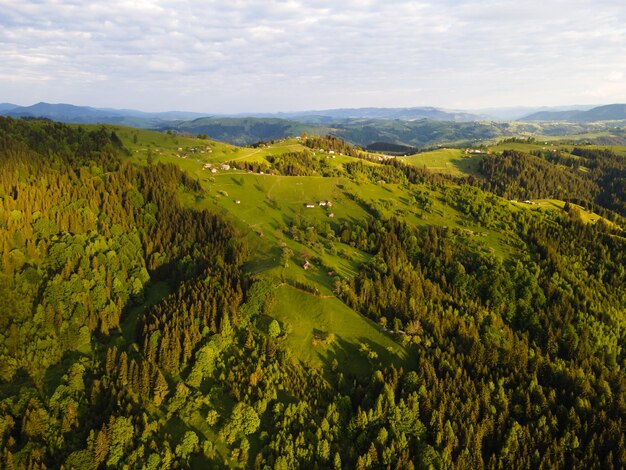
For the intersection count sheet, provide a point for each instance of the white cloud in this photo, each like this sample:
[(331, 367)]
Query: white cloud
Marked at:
[(278, 55)]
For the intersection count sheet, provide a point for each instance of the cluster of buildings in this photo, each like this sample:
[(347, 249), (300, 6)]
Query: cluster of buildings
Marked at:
[(321, 204), (209, 166)]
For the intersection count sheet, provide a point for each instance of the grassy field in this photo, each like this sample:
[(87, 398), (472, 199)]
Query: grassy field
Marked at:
[(263, 206), (556, 204), (563, 144), (314, 319), (456, 162)]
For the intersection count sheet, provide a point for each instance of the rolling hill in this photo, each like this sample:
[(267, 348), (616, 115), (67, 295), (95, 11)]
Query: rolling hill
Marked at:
[(169, 301), (402, 114), (385, 127)]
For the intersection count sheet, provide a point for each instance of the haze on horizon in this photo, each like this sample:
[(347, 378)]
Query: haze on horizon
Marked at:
[(268, 56)]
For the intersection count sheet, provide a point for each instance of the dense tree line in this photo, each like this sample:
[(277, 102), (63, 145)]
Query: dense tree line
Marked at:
[(255, 167), (589, 176), (609, 170), (375, 173), (523, 343), (518, 175), (85, 236), (331, 143), (301, 164)]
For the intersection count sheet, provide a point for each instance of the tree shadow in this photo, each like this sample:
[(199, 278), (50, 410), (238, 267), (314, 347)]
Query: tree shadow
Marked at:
[(468, 164), (20, 379), (358, 359), (54, 373)]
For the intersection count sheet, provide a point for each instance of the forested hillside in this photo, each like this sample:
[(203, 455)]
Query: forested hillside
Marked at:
[(419, 133), (180, 303), (590, 176)]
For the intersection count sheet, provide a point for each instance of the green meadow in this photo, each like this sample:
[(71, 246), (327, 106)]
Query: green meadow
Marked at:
[(455, 162), (264, 207), (325, 329)]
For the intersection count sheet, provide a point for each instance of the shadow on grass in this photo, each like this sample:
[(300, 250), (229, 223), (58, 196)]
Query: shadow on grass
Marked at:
[(357, 359), (176, 429), (262, 261), (468, 165), (238, 181)]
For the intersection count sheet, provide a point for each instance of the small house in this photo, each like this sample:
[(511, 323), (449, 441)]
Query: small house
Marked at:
[(331, 215), (306, 265), (322, 203), (310, 205), (237, 201)]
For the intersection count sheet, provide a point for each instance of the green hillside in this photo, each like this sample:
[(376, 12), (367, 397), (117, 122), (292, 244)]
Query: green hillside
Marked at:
[(245, 130), (454, 162), (388, 133), (168, 301)]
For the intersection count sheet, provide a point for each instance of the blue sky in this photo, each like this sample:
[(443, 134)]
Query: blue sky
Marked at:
[(271, 55)]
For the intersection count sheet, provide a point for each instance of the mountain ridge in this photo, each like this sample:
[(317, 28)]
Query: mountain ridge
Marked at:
[(88, 114), (610, 112)]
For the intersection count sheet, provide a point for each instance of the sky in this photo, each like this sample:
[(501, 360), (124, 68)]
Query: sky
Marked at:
[(233, 56)]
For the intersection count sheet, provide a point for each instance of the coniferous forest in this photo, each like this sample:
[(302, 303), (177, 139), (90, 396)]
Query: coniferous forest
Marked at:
[(137, 329)]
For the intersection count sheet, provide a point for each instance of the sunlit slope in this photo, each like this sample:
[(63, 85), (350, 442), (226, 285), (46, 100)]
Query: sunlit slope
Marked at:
[(276, 212)]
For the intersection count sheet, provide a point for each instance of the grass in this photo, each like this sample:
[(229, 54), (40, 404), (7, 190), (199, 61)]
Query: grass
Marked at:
[(314, 318), (455, 162), (556, 204), (263, 206)]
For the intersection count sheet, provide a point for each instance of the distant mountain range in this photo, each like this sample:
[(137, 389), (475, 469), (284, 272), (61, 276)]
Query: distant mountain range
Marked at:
[(86, 114), (611, 112), (514, 113), (245, 130), (402, 114), (412, 127)]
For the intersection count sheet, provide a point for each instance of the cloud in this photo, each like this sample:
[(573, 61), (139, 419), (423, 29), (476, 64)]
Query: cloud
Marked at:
[(281, 55)]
